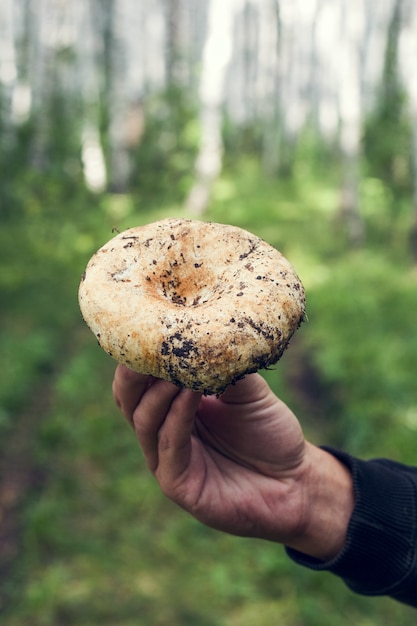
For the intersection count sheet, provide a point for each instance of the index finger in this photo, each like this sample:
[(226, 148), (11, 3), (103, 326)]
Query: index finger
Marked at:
[(128, 389)]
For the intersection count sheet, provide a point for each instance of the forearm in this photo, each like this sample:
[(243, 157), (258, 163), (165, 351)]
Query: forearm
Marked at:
[(379, 556)]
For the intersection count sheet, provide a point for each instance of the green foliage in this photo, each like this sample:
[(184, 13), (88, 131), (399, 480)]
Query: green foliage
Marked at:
[(163, 162), (98, 543), (362, 336), (388, 130)]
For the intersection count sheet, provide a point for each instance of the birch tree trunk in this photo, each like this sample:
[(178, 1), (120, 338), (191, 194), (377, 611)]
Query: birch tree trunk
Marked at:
[(37, 68), (268, 84), (22, 93), (8, 70), (92, 155), (293, 71), (351, 30), (119, 163), (216, 56), (407, 62), (176, 43), (138, 67)]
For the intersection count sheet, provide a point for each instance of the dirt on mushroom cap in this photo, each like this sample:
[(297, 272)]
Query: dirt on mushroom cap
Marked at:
[(197, 303)]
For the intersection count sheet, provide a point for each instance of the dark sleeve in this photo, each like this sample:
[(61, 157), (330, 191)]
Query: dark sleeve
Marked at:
[(380, 554)]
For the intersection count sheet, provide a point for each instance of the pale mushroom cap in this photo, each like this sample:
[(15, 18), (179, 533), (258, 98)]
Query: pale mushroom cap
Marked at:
[(196, 303)]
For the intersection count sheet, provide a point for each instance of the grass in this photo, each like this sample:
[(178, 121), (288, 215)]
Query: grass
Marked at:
[(97, 541)]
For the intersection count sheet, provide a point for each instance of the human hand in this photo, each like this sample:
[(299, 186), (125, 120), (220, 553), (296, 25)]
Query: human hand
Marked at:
[(238, 463)]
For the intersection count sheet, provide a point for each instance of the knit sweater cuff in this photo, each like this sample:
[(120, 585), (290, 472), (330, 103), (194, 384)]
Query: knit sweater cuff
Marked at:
[(379, 556)]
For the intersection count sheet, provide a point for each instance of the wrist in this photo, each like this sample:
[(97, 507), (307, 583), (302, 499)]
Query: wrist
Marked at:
[(326, 491)]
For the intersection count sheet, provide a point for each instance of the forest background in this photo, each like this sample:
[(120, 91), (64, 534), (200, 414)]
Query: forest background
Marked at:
[(294, 119)]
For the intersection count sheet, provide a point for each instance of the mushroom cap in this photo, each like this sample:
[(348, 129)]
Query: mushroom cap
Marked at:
[(197, 303)]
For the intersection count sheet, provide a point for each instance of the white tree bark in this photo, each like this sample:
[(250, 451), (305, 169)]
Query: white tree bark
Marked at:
[(92, 154), (267, 87), (42, 38), (216, 56), (8, 68), (408, 70), (137, 68), (277, 63), (350, 35)]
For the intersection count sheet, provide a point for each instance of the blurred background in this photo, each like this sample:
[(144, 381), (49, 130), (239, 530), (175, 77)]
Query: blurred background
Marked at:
[(295, 119)]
